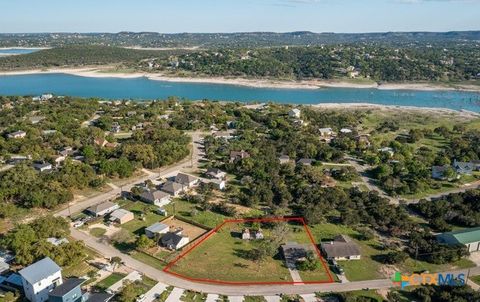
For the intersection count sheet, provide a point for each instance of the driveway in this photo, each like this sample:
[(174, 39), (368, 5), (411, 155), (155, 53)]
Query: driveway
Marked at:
[(154, 292), (175, 295)]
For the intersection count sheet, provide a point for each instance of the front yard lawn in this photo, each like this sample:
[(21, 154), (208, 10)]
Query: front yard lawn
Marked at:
[(110, 280)]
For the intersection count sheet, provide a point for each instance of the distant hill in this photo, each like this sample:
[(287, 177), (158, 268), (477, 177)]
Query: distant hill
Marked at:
[(251, 39)]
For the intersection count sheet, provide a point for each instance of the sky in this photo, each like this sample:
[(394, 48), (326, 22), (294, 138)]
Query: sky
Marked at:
[(173, 16)]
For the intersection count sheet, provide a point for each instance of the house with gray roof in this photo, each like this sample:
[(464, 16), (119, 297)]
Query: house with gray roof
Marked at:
[(40, 278), (172, 188), (463, 168), (186, 179), (467, 237), (174, 240), (156, 229), (68, 291), (341, 248), (103, 208), (156, 197)]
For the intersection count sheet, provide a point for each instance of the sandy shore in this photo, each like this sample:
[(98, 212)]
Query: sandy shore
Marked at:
[(100, 72)]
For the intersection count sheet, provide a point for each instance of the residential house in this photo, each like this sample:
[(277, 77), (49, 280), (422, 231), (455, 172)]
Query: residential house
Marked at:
[(238, 155), (226, 135), (386, 150), (215, 173), (463, 168), (363, 140), (115, 128), (470, 238), (156, 197), (42, 167), (296, 113), (57, 241), (438, 172), (292, 251), (58, 160), (284, 159), (341, 248), (156, 229), (174, 240), (476, 165), (103, 208), (186, 180), (326, 133), (121, 216), (17, 134), (68, 291), (40, 278), (172, 188), (36, 119), (5, 258), (305, 161)]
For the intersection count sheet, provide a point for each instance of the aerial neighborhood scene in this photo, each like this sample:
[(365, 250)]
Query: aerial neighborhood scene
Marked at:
[(229, 151)]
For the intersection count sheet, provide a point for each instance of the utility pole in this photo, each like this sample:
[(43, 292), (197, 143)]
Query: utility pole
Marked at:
[(416, 256)]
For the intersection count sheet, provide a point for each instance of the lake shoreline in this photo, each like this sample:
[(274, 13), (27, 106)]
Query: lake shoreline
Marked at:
[(97, 72)]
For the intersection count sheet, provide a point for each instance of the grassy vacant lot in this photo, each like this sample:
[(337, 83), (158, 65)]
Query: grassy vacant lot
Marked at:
[(359, 295), (191, 296), (110, 280), (97, 232), (183, 208), (223, 256)]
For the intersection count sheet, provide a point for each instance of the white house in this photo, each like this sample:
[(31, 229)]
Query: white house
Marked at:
[(156, 229), (17, 134), (103, 208), (157, 197), (42, 167), (341, 248), (174, 240), (295, 113), (215, 173), (172, 188), (186, 180), (40, 278)]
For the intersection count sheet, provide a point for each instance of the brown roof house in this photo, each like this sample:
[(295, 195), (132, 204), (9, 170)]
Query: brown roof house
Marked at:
[(341, 248), (238, 155)]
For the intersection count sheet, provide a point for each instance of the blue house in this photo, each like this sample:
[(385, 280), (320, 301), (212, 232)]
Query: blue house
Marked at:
[(68, 291)]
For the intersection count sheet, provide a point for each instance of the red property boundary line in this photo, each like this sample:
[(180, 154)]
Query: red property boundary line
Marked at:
[(301, 220)]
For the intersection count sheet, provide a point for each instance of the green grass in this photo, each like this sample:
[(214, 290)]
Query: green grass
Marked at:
[(78, 270), (410, 266), (183, 208), (110, 280), (164, 295), (97, 232), (223, 256), (191, 296), (475, 279), (141, 209), (355, 270), (254, 299), (152, 261), (359, 295)]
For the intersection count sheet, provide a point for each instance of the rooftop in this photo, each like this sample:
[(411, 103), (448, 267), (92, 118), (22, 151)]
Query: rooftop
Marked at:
[(66, 287), (464, 236), (39, 270)]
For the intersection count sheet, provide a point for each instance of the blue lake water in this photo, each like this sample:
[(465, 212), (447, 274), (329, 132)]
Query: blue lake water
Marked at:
[(143, 88), (17, 51)]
